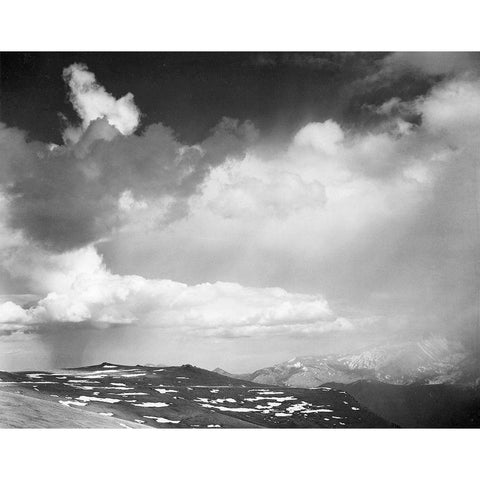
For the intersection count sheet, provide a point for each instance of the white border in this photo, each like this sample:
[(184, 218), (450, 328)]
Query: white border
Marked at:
[(239, 454), (91, 25), (241, 25)]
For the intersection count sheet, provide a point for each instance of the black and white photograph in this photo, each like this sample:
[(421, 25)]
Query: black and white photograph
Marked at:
[(239, 240)]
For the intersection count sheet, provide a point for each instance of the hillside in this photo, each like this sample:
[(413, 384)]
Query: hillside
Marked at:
[(178, 397), (418, 406), (20, 410)]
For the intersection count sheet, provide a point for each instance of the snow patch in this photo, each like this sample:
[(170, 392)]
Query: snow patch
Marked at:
[(98, 399), (229, 409), (67, 403), (276, 399), (161, 419), (130, 393)]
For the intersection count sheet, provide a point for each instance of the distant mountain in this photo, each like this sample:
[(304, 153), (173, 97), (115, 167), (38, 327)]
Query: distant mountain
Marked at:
[(220, 371), (433, 360), (169, 397), (418, 406), (241, 376)]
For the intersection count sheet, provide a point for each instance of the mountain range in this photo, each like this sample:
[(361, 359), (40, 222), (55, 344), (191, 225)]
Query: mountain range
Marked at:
[(434, 360)]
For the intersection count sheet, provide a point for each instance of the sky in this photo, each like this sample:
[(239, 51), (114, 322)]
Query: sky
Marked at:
[(235, 209)]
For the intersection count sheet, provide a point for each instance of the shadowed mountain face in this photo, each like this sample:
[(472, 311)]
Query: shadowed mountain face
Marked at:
[(434, 360), (179, 397), (419, 406)]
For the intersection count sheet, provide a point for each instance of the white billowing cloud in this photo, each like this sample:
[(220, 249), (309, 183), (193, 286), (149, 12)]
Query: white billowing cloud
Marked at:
[(361, 217), (451, 110), (90, 293), (311, 201), (321, 136), (91, 101), (12, 317), (253, 189), (43, 272), (382, 222)]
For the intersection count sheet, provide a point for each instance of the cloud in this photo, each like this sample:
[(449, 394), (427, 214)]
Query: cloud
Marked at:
[(90, 293), (91, 101), (255, 190), (320, 136), (429, 63), (65, 197), (451, 110), (13, 317), (381, 221), (403, 72)]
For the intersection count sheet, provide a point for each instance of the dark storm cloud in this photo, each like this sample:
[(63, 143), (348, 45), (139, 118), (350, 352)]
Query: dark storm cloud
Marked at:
[(65, 197), (68, 196)]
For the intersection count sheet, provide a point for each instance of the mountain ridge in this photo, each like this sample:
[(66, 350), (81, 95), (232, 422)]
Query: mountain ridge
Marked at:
[(434, 360)]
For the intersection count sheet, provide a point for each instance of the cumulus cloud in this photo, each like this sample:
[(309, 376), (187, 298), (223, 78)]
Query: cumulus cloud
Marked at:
[(451, 110), (91, 101), (69, 196), (320, 136), (13, 317), (60, 200), (382, 222), (88, 292), (253, 189)]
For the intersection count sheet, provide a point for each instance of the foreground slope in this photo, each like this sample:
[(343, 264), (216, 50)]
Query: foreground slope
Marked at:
[(184, 397), (417, 406), (18, 410)]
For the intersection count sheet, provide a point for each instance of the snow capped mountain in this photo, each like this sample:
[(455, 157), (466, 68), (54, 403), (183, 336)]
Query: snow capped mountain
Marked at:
[(431, 360), (304, 372)]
